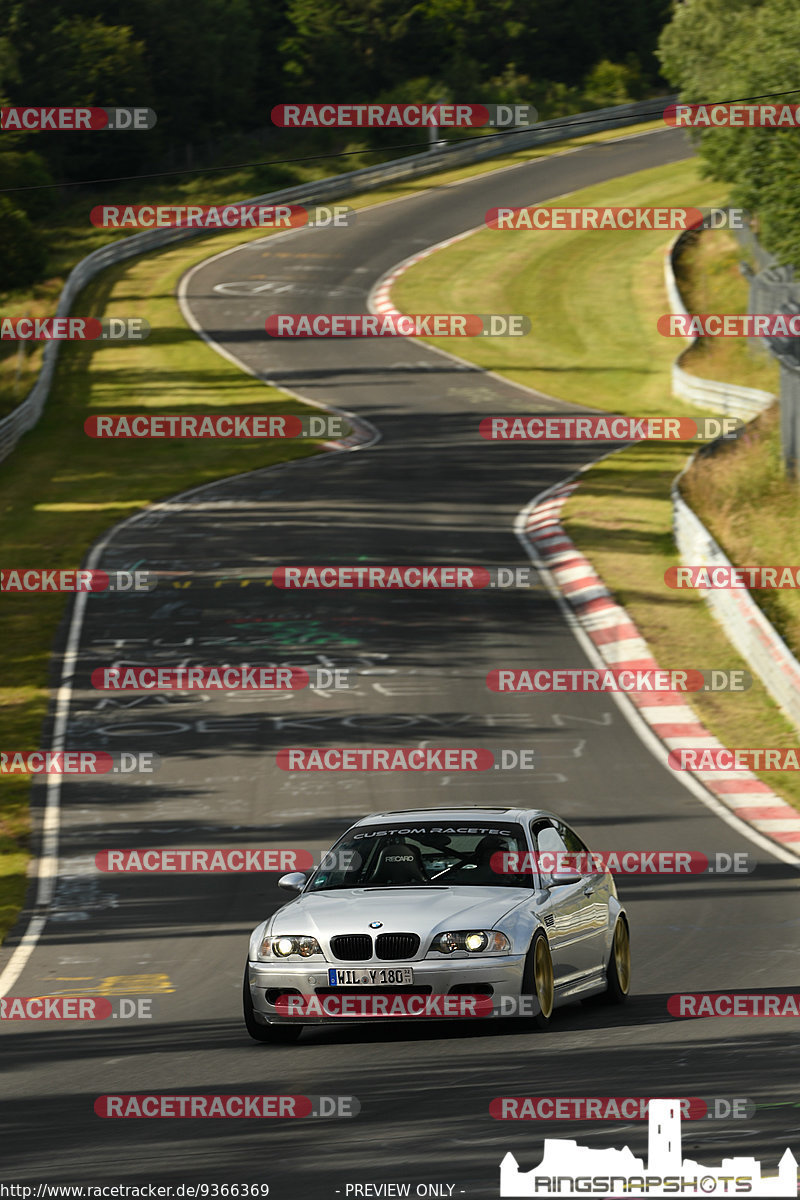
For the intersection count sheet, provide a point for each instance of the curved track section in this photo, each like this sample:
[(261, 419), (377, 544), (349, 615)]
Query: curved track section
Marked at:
[(430, 491)]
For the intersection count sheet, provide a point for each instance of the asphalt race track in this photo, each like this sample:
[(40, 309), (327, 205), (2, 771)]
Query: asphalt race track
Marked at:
[(430, 491)]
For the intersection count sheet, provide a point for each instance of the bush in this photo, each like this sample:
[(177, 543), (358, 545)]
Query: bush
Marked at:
[(24, 169), (22, 251)]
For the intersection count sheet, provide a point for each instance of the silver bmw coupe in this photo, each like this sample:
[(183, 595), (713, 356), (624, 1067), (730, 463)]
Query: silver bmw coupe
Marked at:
[(437, 913)]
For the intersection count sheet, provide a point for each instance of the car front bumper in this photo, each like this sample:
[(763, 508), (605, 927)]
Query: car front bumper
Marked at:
[(502, 974)]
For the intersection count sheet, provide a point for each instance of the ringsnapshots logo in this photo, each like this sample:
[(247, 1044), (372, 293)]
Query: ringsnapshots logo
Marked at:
[(570, 1170), (224, 426), (221, 216), (403, 116), (364, 325), (74, 119)]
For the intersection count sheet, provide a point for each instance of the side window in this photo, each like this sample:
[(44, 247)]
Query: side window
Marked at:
[(547, 838), (571, 839)]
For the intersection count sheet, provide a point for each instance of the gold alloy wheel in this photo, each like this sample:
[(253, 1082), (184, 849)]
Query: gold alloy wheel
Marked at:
[(543, 976), (622, 955)]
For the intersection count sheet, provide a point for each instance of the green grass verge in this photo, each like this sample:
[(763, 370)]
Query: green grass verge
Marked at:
[(708, 275), (731, 491), (60, 489), (594, 299)]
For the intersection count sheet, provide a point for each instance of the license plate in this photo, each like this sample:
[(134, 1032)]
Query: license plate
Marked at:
[(369, 976)]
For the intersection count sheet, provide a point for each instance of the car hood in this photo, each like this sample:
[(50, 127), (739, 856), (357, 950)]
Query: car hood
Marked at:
[(418, 910)]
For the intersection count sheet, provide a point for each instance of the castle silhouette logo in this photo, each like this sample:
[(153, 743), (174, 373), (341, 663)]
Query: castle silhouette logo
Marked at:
[(568, 1169)]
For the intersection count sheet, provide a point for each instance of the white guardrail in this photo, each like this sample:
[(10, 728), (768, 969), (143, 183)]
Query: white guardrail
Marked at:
[(745, 625), (28, 412), (727, 398)]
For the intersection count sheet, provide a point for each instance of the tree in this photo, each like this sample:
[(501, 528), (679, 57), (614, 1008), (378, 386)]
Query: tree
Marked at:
[(717, 50)]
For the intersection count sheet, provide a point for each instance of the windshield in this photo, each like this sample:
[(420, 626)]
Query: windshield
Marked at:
[(423, 855)]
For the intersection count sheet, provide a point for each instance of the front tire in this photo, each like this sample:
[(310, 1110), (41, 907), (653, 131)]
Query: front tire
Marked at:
[(276, 1035), (618, 971), (538, 980)]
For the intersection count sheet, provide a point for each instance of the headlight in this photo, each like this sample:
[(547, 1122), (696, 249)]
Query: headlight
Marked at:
[(289, 944), (475, 941)]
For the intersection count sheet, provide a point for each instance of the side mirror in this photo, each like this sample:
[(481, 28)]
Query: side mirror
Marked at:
[(295, 881), (559, 879)]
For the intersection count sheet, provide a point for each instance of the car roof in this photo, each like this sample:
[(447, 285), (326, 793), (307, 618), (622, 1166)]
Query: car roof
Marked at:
[(470, 814)]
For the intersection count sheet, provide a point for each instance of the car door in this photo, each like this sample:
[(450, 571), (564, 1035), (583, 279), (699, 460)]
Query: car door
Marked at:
[(566, 918), (596, 891)]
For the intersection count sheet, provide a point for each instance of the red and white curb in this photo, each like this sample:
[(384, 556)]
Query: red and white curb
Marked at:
[(619, 644), (380, 300), (666, 722)]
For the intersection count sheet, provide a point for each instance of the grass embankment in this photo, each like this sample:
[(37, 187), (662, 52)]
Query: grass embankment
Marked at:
[(708, 275), (594, 299), (60, 490), (733, 489)]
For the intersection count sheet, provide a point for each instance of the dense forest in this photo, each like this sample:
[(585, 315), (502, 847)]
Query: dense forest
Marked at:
[(726, 49), (213, 69)]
